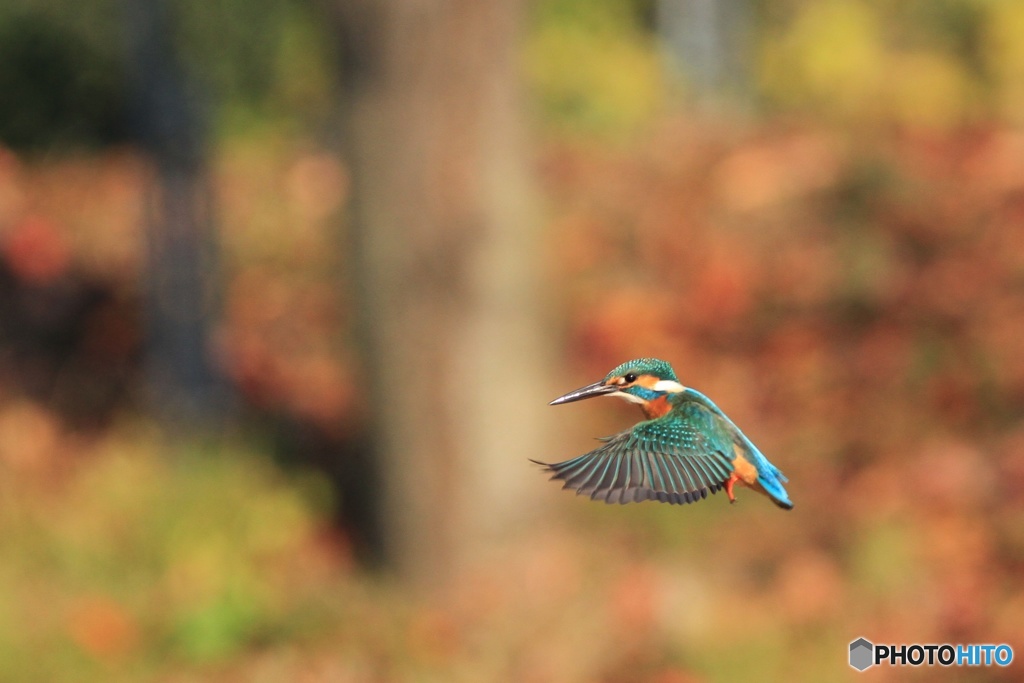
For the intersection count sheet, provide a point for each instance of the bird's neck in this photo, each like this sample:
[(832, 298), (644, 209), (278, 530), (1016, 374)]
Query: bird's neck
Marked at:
[(655, 395), (656, 407)]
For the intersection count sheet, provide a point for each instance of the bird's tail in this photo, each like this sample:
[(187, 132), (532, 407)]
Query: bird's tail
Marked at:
[(770, 478), (772, 485)]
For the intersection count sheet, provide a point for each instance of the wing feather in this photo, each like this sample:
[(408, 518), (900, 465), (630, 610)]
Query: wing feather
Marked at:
[(692, 480), (676, 477), (679, 458), (578, 477)]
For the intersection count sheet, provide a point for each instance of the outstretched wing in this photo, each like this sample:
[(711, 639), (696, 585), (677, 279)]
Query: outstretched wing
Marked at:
[(678, 458)]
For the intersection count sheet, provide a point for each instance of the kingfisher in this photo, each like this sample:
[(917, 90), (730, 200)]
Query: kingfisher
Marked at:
[(685, 449)]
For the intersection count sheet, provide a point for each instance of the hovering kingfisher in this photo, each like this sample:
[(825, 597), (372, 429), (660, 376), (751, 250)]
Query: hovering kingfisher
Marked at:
[(685, 448)]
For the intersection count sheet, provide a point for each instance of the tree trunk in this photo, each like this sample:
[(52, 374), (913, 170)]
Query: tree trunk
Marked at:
[(181, 266), (709, 42), (445, 268)]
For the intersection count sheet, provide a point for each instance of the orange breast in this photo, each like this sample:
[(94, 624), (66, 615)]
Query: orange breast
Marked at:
[(745, 471), (656, 408)]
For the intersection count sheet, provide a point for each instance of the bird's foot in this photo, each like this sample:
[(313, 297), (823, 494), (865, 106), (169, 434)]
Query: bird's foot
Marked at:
[(728, 488)]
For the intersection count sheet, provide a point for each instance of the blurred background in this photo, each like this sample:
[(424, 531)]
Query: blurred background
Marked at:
[(285, 288)]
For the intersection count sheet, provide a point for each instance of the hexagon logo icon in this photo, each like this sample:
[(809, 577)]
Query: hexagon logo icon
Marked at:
[(861, 654)]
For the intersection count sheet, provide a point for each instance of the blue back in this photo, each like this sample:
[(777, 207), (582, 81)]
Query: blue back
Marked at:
[(769, 476)]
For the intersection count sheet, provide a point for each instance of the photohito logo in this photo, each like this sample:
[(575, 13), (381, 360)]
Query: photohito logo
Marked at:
[(864, 654)]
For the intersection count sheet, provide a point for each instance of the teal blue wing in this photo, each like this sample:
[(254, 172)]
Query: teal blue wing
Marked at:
[(679, 458)]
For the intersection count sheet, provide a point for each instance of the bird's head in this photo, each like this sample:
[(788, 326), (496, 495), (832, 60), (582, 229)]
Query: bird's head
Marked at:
[(647, 381)]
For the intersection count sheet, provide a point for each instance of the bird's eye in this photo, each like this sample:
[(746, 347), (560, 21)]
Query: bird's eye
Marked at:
[(630, 378)]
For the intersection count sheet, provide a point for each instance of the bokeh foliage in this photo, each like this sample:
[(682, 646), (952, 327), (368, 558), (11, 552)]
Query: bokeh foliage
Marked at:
[(66, 81), (123, 557), (934, 64), (592, 67)]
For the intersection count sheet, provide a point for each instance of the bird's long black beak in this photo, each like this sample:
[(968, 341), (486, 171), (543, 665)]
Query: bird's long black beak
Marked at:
[(589, 391)]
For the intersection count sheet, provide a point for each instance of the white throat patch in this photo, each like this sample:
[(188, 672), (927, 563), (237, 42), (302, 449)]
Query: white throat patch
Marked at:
[(629, 397)]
